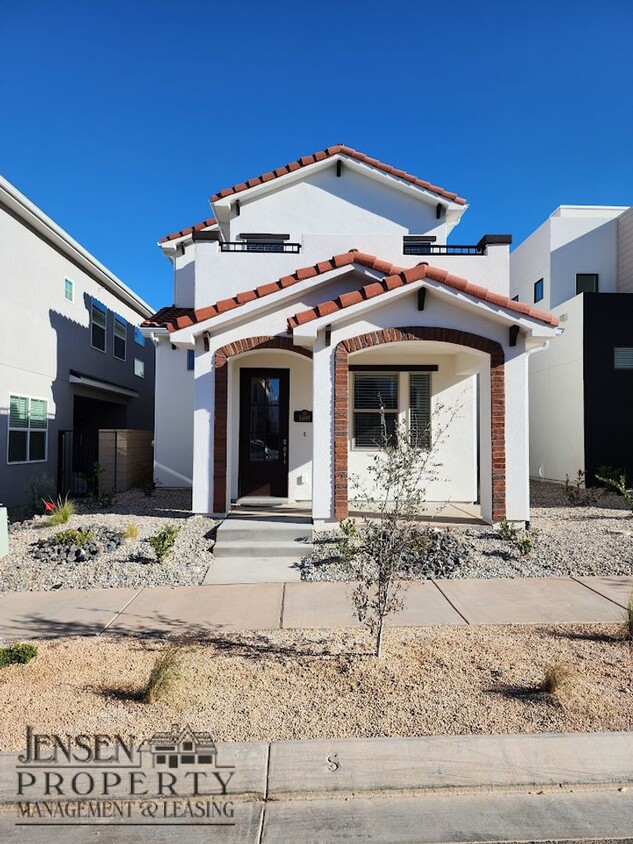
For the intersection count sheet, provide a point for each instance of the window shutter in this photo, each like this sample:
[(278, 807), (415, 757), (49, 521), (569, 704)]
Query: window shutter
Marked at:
[(39, 415), (19, 412), (420, 404)]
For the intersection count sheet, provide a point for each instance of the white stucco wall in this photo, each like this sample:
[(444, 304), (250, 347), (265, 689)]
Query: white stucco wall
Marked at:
[(556, 400), (173, 434)]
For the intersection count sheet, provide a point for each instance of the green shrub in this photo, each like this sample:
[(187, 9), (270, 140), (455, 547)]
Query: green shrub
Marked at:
[(60, 512), (149, 485), (507, 531), (163, 541), (79, 537), (617, 480), (20, 653)]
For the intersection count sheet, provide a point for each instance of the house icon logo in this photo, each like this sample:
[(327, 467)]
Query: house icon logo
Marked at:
[(181, 747)]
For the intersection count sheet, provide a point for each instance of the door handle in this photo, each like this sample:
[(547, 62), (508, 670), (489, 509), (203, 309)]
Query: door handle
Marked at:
[(285, 451)]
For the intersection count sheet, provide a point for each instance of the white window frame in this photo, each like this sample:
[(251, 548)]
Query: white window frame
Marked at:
[(403, 413), (93, 303), (142, 367), (120, 320), (28, 430), (72, 290)]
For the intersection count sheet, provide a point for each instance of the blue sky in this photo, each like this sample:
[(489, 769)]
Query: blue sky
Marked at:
[(120, 117)]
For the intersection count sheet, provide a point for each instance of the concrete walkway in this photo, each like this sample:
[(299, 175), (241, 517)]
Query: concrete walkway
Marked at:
[(425, 789), (271, 606)]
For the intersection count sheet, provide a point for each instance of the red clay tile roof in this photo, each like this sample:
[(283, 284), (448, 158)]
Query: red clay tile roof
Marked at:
[(203, 225), (174, 318), (307, 160), (167, 317), (398, 277)]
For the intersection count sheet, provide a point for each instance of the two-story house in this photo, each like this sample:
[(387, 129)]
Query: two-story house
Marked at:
[(72, 358), (579, 265), (319, 300)]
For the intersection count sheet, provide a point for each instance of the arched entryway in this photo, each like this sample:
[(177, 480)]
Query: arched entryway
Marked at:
[(419, 333)]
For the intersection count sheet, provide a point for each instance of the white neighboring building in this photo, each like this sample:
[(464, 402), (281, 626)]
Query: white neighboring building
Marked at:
[(579, 265), (317, 292), (72, 359)]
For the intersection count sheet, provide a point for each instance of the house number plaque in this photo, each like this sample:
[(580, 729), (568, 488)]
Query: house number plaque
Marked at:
[(303, 416)]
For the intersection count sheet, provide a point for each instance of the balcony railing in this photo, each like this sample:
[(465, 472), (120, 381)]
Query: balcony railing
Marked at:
[(259, 246), (445, 249)]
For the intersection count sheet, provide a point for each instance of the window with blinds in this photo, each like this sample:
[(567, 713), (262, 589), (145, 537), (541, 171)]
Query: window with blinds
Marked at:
[(420, 410), (375, 408), (120, 338), (98, 320), (28, 430), (382, 399), (623, 357)]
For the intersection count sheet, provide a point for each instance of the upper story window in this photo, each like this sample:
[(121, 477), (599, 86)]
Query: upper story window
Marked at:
[(69, 290), (538, 290), (622, 357), (139, 337), (28, 430), (383, 399), (586, 283), (98, 321), (119, 339), (139, 368), (190, 359)]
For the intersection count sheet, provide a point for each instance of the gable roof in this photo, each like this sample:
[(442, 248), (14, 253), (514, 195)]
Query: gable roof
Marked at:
[(401, 277), (173, 318), (338, 149)]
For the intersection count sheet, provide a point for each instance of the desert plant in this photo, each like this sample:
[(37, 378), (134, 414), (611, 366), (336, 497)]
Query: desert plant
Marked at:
[(523, 543), (93, 479), (39, 489), (163, 541), (72, 536), (559, 678), (164, 674), (59, 511), (577, 492), (507, 531), (18, 653), (378, 546), (617, 480), (131, 531)]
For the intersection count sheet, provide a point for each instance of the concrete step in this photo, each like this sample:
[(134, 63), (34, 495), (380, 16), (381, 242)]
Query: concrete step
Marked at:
[(253, 570), (258, 547), (273, 530)]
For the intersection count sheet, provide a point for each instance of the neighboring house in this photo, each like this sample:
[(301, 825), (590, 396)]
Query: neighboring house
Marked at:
[(579, 265), (318, 293), (72, 358)]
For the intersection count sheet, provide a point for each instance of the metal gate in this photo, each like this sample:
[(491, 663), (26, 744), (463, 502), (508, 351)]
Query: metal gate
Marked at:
[(77, 454)]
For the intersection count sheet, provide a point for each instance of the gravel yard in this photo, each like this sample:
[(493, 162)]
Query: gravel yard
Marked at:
[(567, 540), (132, 564), (312, 684)]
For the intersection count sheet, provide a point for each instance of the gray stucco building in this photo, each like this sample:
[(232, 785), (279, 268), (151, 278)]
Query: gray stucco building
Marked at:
[(71, 356)]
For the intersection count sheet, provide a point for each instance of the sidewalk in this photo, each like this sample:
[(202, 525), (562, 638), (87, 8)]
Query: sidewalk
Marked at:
[(423, 789), (272, 606)]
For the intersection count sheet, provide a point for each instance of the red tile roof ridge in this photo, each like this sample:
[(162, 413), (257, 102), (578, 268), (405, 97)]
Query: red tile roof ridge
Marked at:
[(174, 318), (329, 152), (195, 228)]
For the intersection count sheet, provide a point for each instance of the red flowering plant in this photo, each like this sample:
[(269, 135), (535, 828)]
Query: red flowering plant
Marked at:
[(58, 512)]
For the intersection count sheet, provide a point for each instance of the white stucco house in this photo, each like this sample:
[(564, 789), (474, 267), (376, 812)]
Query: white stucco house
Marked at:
[(318, 293), (578, 264)]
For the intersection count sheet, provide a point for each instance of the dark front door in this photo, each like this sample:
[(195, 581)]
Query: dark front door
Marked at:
[(264, 432)]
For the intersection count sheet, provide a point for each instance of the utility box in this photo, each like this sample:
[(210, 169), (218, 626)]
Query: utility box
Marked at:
[(4, 532)]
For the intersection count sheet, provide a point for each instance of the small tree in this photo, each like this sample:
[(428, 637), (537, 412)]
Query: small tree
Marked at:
[(377, 548)]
